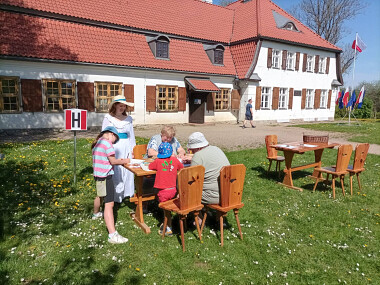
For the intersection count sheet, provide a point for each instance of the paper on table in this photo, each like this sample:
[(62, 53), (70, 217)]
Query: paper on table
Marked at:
[(309, 145), (144, 167), (137, 161), (285, 145)]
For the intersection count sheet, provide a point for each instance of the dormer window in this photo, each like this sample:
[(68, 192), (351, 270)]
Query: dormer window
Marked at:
[(215, 53), (290, 26), (159, 46)]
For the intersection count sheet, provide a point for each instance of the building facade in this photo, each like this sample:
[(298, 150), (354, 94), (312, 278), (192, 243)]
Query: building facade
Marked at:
[(176, 67)]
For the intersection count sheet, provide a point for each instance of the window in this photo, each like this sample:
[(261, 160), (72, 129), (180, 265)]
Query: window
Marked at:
[(265, 97), (290, 60), (9, 95), (167, 98), (309, 99), (222, 99), (59, 95), (323, 102), (276, 59), (162, 49), (322, 65), (310, 63), (283, 99), (290, 26), (218, 56), (105, 91)]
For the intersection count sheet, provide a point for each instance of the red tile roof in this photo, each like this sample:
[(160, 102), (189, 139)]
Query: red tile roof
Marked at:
[(53, 39), (202, 85), (255, 19), (68, 41)]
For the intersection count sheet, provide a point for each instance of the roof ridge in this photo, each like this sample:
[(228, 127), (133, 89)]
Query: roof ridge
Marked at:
[(294, 18)]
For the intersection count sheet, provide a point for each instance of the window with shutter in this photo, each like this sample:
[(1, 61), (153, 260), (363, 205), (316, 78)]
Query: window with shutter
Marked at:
[(309, 99), (167, 98), (265, 97), (59, 94), (222, 99), (9, 94), (105, 91)]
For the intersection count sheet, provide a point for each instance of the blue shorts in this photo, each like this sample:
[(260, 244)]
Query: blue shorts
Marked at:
[(248, 117)]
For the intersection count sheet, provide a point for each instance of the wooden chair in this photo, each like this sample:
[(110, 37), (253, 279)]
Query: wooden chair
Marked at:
[(190, 186), (139, 151), (231, 190), (338, 170), (272, 153), (361, 151)]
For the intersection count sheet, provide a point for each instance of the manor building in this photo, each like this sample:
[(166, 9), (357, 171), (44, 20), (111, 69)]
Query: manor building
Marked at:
[(179, 61)]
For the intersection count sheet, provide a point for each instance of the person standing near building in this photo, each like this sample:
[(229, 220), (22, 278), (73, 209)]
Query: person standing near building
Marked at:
[(248, 114)]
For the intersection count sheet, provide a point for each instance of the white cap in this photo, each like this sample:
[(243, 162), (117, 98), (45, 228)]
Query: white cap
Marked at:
[(197, 140)]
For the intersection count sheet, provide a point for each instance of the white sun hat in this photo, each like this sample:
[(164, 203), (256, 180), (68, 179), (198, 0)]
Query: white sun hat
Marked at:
[(121, 99), (197, 140)]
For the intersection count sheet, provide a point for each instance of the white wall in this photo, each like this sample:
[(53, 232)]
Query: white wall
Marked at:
[(298, 80), (87, 73)]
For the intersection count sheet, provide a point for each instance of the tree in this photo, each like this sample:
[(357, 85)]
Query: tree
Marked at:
[(328, 18)]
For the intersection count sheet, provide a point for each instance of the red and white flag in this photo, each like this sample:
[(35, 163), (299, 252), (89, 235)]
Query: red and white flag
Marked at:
[(358, 44), (345, 97)]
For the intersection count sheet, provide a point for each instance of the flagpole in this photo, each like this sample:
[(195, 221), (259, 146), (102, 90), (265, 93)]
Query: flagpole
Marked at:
[(353, 78)]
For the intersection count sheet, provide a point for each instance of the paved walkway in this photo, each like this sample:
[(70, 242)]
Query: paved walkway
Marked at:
[(225, 135)]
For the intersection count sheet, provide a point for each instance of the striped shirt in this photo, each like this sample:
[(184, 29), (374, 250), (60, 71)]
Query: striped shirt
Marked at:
[(100, 153)]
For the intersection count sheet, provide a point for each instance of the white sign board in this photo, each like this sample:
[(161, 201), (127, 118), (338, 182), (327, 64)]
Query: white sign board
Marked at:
[(75, 119)]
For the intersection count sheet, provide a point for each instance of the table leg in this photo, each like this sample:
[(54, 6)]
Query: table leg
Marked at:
[(318, 159), (138, 216), (288, 168)]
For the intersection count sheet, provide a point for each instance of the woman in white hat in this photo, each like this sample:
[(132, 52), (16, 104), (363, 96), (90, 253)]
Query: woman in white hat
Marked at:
[(117, 117)]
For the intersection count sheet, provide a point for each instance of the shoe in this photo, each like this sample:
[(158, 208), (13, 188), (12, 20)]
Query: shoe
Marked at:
[(168, 232), (243, 127), (117, 238), (253, 127), (97, 215)]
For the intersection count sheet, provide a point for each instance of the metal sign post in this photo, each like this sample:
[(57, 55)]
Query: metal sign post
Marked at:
[(75, 120)]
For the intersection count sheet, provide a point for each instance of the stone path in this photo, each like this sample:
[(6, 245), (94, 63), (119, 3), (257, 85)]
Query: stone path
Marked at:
[(225, 135)]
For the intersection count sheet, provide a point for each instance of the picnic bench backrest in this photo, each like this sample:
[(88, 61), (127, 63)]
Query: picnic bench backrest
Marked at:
[(190, 186), (361, 151), (271, 140), (139, 151), (231, 184), (343, 157)]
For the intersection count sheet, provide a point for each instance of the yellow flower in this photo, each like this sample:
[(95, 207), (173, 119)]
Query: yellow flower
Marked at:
[(137, 269), (56, 203), (311, 236)]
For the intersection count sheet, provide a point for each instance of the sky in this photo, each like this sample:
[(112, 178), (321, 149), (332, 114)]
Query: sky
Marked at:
[(367, 25)]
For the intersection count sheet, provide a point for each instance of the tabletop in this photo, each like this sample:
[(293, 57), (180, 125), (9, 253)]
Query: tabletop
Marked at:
[(300, 147)]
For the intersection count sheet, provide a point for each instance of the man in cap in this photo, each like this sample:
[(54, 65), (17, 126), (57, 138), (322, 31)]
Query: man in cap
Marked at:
[(213, 159)]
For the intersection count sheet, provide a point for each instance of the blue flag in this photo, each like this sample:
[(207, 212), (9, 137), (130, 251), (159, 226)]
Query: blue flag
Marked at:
[(352, 101), (341, 101)]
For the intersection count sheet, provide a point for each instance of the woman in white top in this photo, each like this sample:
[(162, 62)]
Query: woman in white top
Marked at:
[(118, 118)]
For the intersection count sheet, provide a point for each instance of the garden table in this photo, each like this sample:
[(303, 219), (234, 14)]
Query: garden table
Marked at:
[(292, 148), (140, 197)]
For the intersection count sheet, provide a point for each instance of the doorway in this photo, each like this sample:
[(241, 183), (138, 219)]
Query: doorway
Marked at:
[(197, 102)]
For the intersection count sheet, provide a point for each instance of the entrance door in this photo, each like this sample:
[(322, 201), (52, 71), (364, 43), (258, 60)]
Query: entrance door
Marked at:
[(197, 102)]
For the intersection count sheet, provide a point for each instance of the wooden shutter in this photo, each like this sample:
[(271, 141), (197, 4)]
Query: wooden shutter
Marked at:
[(327, 65), (151, 98), (181, 99), (329, 100), (86, 99), (31, 91), (284, 55), (235, 99), (129, 94), (297, 61), (258, 98), (269, 60), (316, 67), (275, 96), (304, 62), (210, 101), (317, 98), (303, 99), (291, 93)]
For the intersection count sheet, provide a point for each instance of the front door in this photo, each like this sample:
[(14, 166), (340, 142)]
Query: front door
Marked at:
[(197, 102)]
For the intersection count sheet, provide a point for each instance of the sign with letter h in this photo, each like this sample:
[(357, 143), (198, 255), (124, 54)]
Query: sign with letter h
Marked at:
[(75, 119)]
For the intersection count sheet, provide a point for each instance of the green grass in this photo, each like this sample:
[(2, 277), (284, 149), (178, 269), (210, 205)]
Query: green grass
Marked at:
[(362, 131), (289, 236)]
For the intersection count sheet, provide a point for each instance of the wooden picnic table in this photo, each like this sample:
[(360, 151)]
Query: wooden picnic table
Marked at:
[(140, 197), (292, 148)]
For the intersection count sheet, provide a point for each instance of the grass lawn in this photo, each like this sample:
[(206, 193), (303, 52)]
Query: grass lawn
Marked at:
[(362, 131), (290, 237)]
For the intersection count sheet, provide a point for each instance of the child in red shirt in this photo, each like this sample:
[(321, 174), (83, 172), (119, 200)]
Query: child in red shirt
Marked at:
[(166, 166)]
